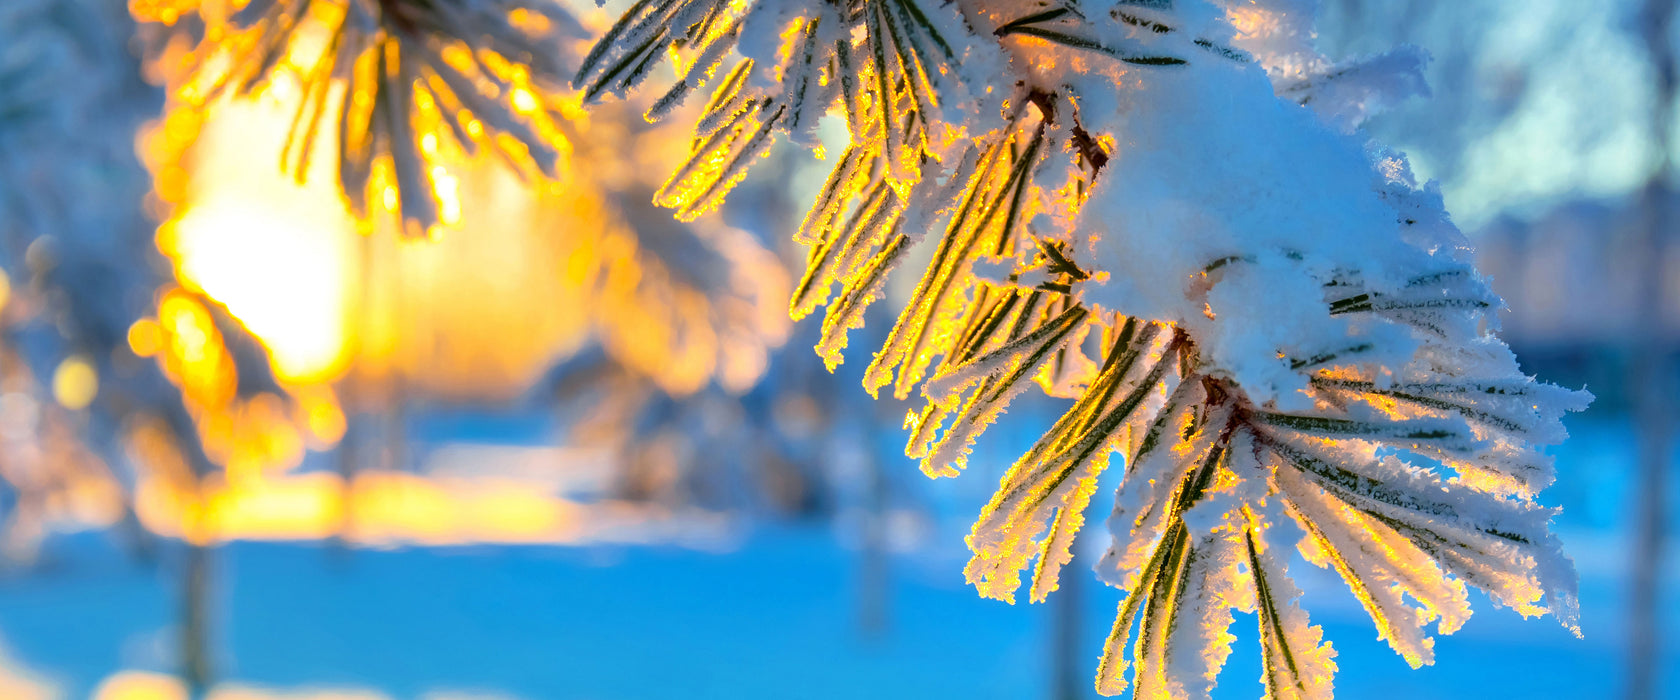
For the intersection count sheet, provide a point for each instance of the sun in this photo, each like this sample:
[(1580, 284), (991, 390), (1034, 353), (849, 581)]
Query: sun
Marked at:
[(280, 270), (275, 251)]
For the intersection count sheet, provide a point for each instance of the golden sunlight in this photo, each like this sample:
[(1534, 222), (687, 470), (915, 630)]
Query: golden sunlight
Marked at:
[(324, 293), (140, 685), (149, 685), (276, 253), (281, 270), (75, 382)]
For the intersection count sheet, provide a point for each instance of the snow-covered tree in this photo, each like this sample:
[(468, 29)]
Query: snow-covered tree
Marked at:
[(1162, 210), (85, 274), (71, 99)]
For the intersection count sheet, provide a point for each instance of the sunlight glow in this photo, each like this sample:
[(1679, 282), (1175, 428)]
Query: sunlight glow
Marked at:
[(148, 685), (19, 682), (145, 337), (281, 271), (382, 508), (75, 383), (141, 685)]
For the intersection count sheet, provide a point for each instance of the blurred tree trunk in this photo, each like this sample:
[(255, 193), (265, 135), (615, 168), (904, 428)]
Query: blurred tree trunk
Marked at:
[(353, 398), (199, 535), (874, 583), (413, 327), (195, 627), (1649, 373)]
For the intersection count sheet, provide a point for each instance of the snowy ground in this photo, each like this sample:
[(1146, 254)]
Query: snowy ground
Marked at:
[(773, 616)]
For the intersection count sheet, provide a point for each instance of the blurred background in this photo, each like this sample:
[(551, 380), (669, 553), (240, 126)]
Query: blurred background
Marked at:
[(253, 448)]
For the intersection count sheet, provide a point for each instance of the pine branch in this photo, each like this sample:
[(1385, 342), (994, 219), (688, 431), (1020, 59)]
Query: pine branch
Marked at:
[(1105, 236), (459, 72)]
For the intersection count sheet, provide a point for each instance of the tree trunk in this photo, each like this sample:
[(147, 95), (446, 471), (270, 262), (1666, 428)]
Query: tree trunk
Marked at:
[(1648, 377), (195, 622)]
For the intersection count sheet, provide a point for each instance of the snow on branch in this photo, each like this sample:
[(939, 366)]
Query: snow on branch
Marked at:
[(392, 80), (1162, 210)]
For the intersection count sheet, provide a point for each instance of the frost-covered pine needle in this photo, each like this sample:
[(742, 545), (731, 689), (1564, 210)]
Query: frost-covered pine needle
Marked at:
[(392, 81), (1160, 209)]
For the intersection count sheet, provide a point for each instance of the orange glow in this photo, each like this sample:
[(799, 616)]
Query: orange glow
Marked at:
[(273, 252), (347, 305), (381, 508), (164, 11), (145, 338), (20, 683), (320, 413), (146, 685), (75, 382), (445, 187), (523, 101), (529, 21), (453, 315), (1248, 21), (280, 270), (196, 358), (141, 685), (244, 435)]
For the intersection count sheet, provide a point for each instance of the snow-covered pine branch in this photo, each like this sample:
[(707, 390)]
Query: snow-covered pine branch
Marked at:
[(392, 79), (424, 98), (1160, 209)]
